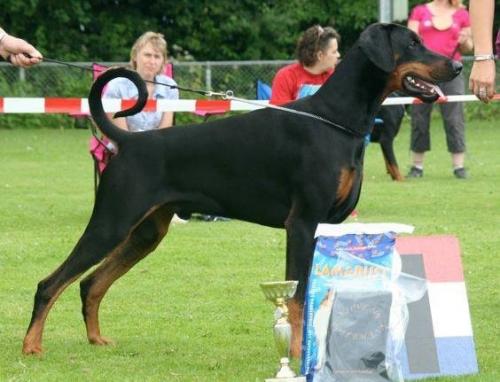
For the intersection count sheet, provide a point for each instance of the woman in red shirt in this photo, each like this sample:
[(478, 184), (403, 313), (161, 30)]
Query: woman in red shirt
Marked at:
[(317, 53)]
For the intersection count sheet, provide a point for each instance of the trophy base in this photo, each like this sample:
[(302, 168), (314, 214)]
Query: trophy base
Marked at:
[(287, 379)]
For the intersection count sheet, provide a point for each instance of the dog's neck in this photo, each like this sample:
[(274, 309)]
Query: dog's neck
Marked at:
[(353, 94)]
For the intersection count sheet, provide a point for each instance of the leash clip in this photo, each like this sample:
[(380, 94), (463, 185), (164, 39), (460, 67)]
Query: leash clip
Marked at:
[(229, 94), (209, 93)]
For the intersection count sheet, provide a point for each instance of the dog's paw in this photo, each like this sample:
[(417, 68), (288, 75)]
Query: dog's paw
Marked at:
[(100, 341), (32, 349)]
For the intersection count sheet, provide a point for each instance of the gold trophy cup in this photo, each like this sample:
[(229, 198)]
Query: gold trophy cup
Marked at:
[(278, 293)]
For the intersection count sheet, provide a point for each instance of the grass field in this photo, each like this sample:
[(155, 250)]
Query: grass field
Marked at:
[(193, 311)]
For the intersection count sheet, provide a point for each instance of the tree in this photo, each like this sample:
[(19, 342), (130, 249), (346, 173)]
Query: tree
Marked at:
[(104, 30)]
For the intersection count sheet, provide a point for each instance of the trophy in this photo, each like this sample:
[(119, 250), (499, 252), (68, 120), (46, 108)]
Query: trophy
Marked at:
[(278, 293)]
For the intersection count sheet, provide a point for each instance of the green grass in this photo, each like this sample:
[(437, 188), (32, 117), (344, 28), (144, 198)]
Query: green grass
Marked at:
[(193, 311)]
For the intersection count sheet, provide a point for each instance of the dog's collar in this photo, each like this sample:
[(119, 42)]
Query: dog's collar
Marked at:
[(230, 96)]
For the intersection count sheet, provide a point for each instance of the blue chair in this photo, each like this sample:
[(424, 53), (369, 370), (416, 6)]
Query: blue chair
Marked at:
[(263, 90)]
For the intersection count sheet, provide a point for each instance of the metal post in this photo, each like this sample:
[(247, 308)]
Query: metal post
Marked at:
[(208, 77), (385, 11)]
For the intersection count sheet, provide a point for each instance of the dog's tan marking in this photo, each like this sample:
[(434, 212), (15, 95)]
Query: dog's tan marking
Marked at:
[(115, 266), (296, 316), (396, 78), (32, 343), (346, 182), (393, 171)]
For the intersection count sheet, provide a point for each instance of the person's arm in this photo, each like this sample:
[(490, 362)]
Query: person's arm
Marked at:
[(465, 40), (120, 122), (18, 51), (482, 78), (413, 25), (167, 120), (415, 17)]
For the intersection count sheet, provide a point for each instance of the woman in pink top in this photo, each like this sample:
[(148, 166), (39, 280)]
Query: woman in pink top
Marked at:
[(444, 27)]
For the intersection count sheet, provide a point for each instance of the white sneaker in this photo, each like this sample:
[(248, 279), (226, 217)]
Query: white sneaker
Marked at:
[(177, 220)]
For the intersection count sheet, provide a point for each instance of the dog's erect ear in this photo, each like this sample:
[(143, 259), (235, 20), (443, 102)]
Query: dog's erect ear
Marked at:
[(375, 42)]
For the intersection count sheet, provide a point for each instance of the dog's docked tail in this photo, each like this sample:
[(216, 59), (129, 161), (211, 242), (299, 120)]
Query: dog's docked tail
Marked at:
[(102, 121)]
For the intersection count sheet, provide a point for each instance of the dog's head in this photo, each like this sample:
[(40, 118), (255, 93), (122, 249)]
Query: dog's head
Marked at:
[(413, 69)]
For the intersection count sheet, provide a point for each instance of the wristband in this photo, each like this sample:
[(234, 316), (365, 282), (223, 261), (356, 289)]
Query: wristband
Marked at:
[(481, 57)]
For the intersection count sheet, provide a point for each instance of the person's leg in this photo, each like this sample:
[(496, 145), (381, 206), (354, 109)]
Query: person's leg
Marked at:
[(457, 160), (418, 159), (420, 138), (454, 125)]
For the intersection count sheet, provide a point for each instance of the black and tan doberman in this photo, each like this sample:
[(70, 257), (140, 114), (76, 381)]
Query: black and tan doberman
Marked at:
[(271, 167)]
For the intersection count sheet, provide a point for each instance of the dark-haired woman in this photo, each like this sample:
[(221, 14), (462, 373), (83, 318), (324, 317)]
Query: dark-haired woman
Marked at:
[(317, 53)]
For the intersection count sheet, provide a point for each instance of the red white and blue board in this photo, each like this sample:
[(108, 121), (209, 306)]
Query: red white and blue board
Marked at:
[(439, 339)]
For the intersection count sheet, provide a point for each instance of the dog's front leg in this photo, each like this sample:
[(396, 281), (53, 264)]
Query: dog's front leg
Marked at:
[(300, 247)]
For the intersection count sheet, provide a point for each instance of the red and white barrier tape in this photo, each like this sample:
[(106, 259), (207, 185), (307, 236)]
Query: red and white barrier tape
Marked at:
[(80, 105)]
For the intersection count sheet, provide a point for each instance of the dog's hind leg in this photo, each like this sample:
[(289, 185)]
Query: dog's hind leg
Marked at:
[(80, 260), (103, 235), (390, 160), (142, 241), (47, 293)]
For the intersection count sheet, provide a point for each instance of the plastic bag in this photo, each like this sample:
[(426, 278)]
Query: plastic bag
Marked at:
[(356, 306)]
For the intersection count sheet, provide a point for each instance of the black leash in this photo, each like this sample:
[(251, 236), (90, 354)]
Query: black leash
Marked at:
[(298, 112), (227, 95), (206, 93)]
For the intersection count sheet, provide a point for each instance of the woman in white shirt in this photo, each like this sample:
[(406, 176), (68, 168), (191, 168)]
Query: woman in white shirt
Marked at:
[(148, 57)]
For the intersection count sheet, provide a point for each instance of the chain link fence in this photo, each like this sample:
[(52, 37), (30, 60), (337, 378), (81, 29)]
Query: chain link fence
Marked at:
[(57, 80)]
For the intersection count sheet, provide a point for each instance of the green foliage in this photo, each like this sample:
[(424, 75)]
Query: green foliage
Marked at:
[(479, 111), (92, 30), (83, 30), (11, 121), (14, 121)]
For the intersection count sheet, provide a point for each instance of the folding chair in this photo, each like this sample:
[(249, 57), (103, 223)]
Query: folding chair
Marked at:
[(81, 119), (263, 90), (98, 149)]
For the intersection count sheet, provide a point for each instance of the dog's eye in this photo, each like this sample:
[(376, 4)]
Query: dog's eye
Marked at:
[(413, 44)]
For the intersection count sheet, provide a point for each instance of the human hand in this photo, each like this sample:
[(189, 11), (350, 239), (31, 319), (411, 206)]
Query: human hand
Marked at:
[(482, 80), (19, 52), (464, 36)]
